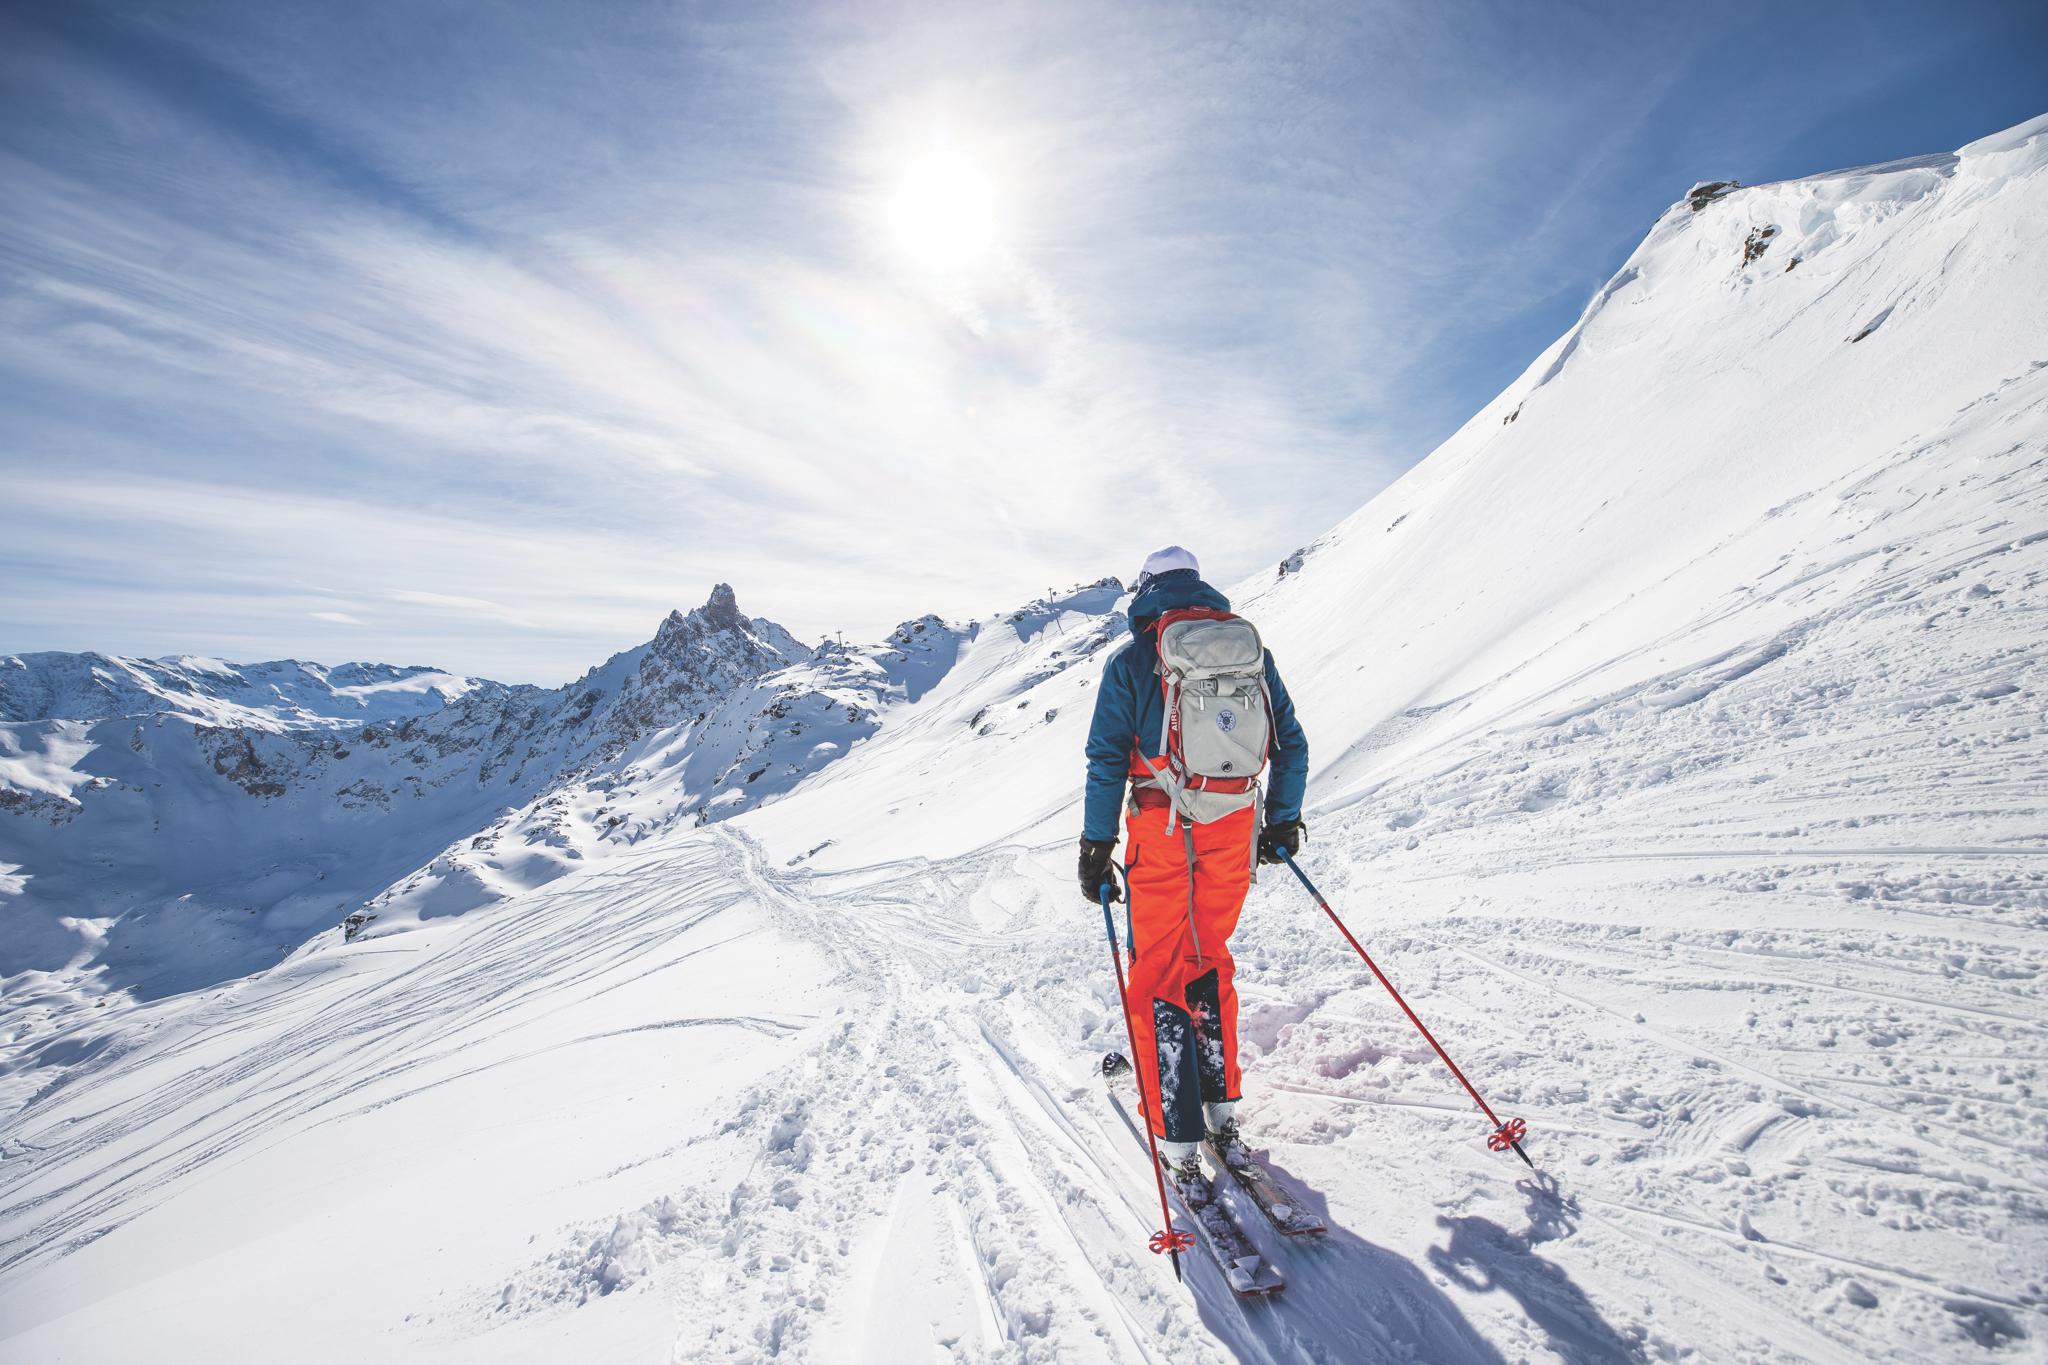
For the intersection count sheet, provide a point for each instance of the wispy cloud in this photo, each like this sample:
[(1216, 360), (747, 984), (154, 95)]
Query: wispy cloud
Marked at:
[(451, 602), (530, 323)]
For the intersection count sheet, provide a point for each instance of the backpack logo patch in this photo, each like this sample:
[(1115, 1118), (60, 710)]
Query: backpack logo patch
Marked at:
[(1226, 720)]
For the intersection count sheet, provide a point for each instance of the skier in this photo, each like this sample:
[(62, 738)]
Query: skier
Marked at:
[(1192, 837)]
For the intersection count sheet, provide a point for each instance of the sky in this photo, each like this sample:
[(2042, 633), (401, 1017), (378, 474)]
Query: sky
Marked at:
[(481, 335)]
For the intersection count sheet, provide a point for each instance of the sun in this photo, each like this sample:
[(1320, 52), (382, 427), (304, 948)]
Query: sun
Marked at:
[(944, 212)]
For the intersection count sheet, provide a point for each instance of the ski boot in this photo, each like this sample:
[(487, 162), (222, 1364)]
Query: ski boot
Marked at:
[(1224, 1136), (1115, 1066), (1183, 1163)]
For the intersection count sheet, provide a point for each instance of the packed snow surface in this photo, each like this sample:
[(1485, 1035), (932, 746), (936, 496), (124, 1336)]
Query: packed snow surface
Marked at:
[(1680, 745)]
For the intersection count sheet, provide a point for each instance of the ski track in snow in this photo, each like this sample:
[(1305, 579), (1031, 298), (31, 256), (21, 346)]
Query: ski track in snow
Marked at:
[(1749, 1115), (417, 1021), (1052, 1201)]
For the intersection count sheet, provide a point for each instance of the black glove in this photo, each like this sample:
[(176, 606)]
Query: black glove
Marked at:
[(1282, 834), (1095, 870)]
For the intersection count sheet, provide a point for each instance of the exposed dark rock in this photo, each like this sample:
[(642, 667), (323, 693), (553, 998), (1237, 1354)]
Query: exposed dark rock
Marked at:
[(722, 610), (1707, 191), (233, 755)]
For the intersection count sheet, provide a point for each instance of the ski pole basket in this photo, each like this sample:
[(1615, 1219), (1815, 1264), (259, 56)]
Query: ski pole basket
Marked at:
[(1508, 1135)]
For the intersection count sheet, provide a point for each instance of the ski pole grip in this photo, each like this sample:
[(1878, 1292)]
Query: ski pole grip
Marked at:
[(1102, 893), (1130, 931)]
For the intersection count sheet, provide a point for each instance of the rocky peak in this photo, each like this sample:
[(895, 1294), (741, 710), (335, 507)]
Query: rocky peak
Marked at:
[(720, 613), (908, 632), (723, 609), (676, 632), (696, 659)]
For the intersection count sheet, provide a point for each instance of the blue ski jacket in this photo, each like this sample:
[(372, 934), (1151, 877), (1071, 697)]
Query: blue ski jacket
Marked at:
[(1129, 706)]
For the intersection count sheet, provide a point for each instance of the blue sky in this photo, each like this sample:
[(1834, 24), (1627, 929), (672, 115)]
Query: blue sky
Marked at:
[(482, 334)]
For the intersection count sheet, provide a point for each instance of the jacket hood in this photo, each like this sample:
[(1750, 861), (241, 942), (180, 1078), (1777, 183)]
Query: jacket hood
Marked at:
[(1170, 592)]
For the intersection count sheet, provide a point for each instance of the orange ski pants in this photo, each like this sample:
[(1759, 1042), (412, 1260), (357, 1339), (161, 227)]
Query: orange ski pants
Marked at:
[(1187, 887)]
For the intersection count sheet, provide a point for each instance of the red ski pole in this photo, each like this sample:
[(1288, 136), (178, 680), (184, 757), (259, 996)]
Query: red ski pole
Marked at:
[(1167, 1239), (1504, 1135)]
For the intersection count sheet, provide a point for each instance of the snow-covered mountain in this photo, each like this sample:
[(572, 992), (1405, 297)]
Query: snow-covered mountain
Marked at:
[(1680, 744), (168, 824), (765, 734)]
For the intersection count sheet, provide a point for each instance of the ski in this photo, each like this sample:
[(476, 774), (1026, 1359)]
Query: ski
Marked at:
[(1282, 1206), (1248, 1274)]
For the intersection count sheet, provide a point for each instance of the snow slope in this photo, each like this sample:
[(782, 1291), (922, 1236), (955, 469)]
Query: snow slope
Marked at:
[(1680, 743)]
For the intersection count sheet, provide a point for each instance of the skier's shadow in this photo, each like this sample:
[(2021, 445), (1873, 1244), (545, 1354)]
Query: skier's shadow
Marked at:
[(1375, 1304), (1363, 1302), (1483, 1256)]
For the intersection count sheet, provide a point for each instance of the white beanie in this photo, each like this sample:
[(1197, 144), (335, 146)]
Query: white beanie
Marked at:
[(1166, 561)]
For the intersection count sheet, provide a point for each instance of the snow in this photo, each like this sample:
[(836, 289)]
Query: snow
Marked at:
[(42, 760), (1680, 748), (408, 1114), (278, 696)]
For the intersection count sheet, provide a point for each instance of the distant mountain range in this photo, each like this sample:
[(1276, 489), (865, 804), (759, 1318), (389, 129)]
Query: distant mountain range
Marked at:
[(169, 822)]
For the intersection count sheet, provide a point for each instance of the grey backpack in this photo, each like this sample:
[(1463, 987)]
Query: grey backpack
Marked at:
[(1218, 723)]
